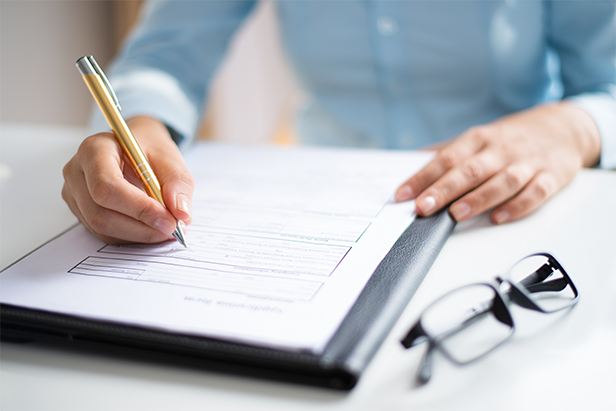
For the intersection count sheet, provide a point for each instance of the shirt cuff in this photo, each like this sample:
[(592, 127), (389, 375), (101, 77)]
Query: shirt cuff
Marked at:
[(602, 108), (156, 94)]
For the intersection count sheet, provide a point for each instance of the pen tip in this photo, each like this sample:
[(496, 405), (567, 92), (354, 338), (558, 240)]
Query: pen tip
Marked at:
[(179, 234)]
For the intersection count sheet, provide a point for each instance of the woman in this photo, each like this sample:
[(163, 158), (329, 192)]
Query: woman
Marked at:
[(518, 96)]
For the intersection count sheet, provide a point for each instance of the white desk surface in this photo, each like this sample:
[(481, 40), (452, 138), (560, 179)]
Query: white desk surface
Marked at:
[(562, 361)]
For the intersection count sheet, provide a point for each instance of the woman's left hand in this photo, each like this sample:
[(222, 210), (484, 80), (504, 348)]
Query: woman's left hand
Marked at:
[(514, 164)]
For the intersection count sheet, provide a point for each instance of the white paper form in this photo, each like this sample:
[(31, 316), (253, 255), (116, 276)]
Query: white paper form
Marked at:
[(282, 243)]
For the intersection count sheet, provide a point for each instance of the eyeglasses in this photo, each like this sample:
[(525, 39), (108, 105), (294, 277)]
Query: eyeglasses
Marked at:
[(471, 321)]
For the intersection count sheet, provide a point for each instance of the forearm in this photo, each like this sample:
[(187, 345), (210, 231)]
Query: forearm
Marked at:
[(164, 69), (565, 123)]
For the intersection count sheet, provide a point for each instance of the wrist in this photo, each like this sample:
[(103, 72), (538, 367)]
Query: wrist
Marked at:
[(146, 127), (584, 130), (151, 133)]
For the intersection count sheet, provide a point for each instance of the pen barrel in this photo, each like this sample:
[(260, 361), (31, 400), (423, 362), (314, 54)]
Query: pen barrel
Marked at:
[(124, 136)]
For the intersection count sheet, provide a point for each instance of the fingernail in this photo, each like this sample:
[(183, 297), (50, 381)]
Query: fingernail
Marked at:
[(460, 210), (164, 225), (404, 193), (426, 204), (183, 203), (501, 216)]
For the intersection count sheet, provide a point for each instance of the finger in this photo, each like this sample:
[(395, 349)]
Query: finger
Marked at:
[(94, 177), (448, 157), (72, 204), (110, 226), (116, 228), (72, 173), (107, 187), (461, 179), (502, 186), (541, 187), (130, 175)]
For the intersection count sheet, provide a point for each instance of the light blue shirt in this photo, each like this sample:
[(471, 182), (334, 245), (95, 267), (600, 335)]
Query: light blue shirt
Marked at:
[(387, 74)]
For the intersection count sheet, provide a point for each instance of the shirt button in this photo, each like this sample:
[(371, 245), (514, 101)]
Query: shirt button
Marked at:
[(386, 26)]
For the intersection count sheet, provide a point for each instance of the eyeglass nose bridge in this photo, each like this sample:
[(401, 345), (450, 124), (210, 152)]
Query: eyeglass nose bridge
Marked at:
[(501, 311)]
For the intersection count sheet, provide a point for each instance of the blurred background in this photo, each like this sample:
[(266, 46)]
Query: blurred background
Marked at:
[(253, 98)]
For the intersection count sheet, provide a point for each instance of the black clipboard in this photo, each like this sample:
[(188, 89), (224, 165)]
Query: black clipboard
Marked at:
[(340, 366)]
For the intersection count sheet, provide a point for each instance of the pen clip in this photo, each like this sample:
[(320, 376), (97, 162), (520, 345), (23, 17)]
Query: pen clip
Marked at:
[(99, 72)]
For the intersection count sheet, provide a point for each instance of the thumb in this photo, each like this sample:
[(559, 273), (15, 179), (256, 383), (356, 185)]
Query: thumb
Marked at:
[(177, 183)]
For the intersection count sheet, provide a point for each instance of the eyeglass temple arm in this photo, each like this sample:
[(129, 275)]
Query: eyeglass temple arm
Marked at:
[(519, 298), (534, 284), (415, 336), (538, 276), (424, 372), (554, 285)]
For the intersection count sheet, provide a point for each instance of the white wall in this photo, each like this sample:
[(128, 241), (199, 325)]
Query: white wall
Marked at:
[(39, 44), (255, 94), (40, 41)]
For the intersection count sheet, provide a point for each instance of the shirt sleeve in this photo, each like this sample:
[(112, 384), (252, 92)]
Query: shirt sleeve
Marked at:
[(583, 33), (165, 67)]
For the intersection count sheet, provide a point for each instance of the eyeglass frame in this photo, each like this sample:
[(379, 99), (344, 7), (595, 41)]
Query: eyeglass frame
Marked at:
[(517, 295)]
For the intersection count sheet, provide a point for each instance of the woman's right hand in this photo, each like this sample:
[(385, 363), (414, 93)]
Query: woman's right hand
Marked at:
[(103, 191)]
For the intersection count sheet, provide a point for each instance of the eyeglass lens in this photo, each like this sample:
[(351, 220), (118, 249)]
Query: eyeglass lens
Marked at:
[(465, 323), (543, 281)]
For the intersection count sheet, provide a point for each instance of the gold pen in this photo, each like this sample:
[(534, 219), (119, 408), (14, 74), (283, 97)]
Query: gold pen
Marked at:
[(108, 102)]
